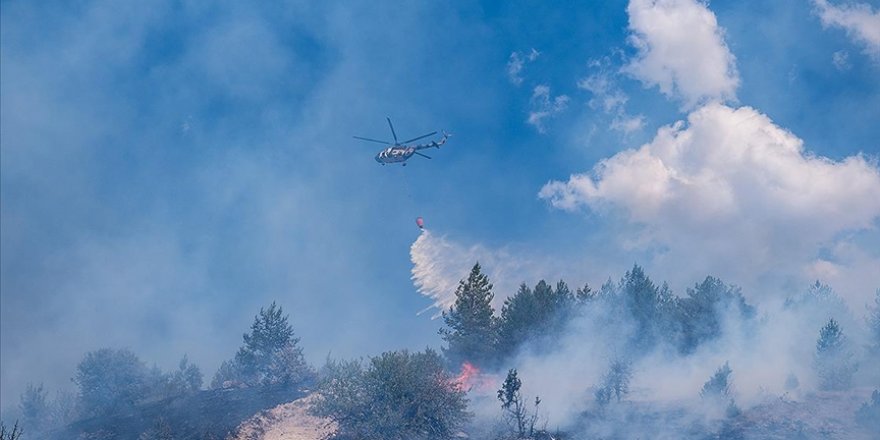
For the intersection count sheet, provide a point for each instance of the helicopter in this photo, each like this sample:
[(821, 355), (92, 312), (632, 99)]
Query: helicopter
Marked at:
[(399, 152)]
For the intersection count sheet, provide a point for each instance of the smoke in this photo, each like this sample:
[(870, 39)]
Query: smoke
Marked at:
[(764, 351)]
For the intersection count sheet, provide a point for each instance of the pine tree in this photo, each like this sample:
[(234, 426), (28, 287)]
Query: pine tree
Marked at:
[(615, 383), (270, 354), (186, 380), (700, 312), (514, 406), (537, 315), (472, 329), (643, 300), (518, 315), (718, 386), (718, 390), (833, 360), (585, 294), (270, 332)]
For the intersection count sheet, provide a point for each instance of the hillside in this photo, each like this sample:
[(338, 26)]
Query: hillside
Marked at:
[(209, 414), (818, 415)]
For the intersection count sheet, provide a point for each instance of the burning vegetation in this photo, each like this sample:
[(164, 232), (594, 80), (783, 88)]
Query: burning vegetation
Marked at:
[(628, 359)]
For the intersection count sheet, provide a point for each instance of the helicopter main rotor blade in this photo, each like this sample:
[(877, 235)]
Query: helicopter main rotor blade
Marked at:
[(392, 130), (423, 155), (372, 140), (420, 137)]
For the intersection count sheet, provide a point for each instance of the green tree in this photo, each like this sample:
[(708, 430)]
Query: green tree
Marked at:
[(519, 316), (833, 361), (718, 386), (270, 355), (718, 390), (34, 407), (514, 406), (585, 294), (396, 396), (537, 315), (187, 379), (227, 376), (650, 307), (471, 332), (110, 380), (701, 312), (615, 382)]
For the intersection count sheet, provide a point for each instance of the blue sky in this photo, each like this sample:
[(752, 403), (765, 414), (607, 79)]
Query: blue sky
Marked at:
[(169, 168)]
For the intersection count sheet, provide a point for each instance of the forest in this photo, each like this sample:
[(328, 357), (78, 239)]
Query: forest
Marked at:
[(621, 361)]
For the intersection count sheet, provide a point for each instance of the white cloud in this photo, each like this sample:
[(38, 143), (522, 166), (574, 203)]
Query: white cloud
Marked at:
[(610, 98), (628, 124), (545, 106), (859, 20), (517, 62), (734, 195), (681, 50), (841, 60)]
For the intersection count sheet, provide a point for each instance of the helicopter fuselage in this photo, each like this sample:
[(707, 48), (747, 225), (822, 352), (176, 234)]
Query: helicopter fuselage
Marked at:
[(395, 154)]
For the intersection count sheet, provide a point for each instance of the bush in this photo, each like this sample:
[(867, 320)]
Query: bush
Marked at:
[(397, 395), (110, 380)]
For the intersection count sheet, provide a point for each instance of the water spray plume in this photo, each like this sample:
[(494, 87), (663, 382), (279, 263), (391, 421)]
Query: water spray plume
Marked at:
[(434, 274)]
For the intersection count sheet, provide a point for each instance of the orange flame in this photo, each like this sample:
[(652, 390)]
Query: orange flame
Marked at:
[(470, 379)]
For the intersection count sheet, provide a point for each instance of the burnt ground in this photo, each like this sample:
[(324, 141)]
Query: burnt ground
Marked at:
[(814, 416)]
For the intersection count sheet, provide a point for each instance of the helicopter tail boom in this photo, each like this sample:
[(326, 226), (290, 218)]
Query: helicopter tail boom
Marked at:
[(434, 144)]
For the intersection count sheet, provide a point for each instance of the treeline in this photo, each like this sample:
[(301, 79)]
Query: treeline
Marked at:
[(403, 395), (419, 395), (114, 381), (107, 381), (475, 333)]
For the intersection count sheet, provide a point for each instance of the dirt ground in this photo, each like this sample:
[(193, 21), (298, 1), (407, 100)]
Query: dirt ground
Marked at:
[(288, 421)]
